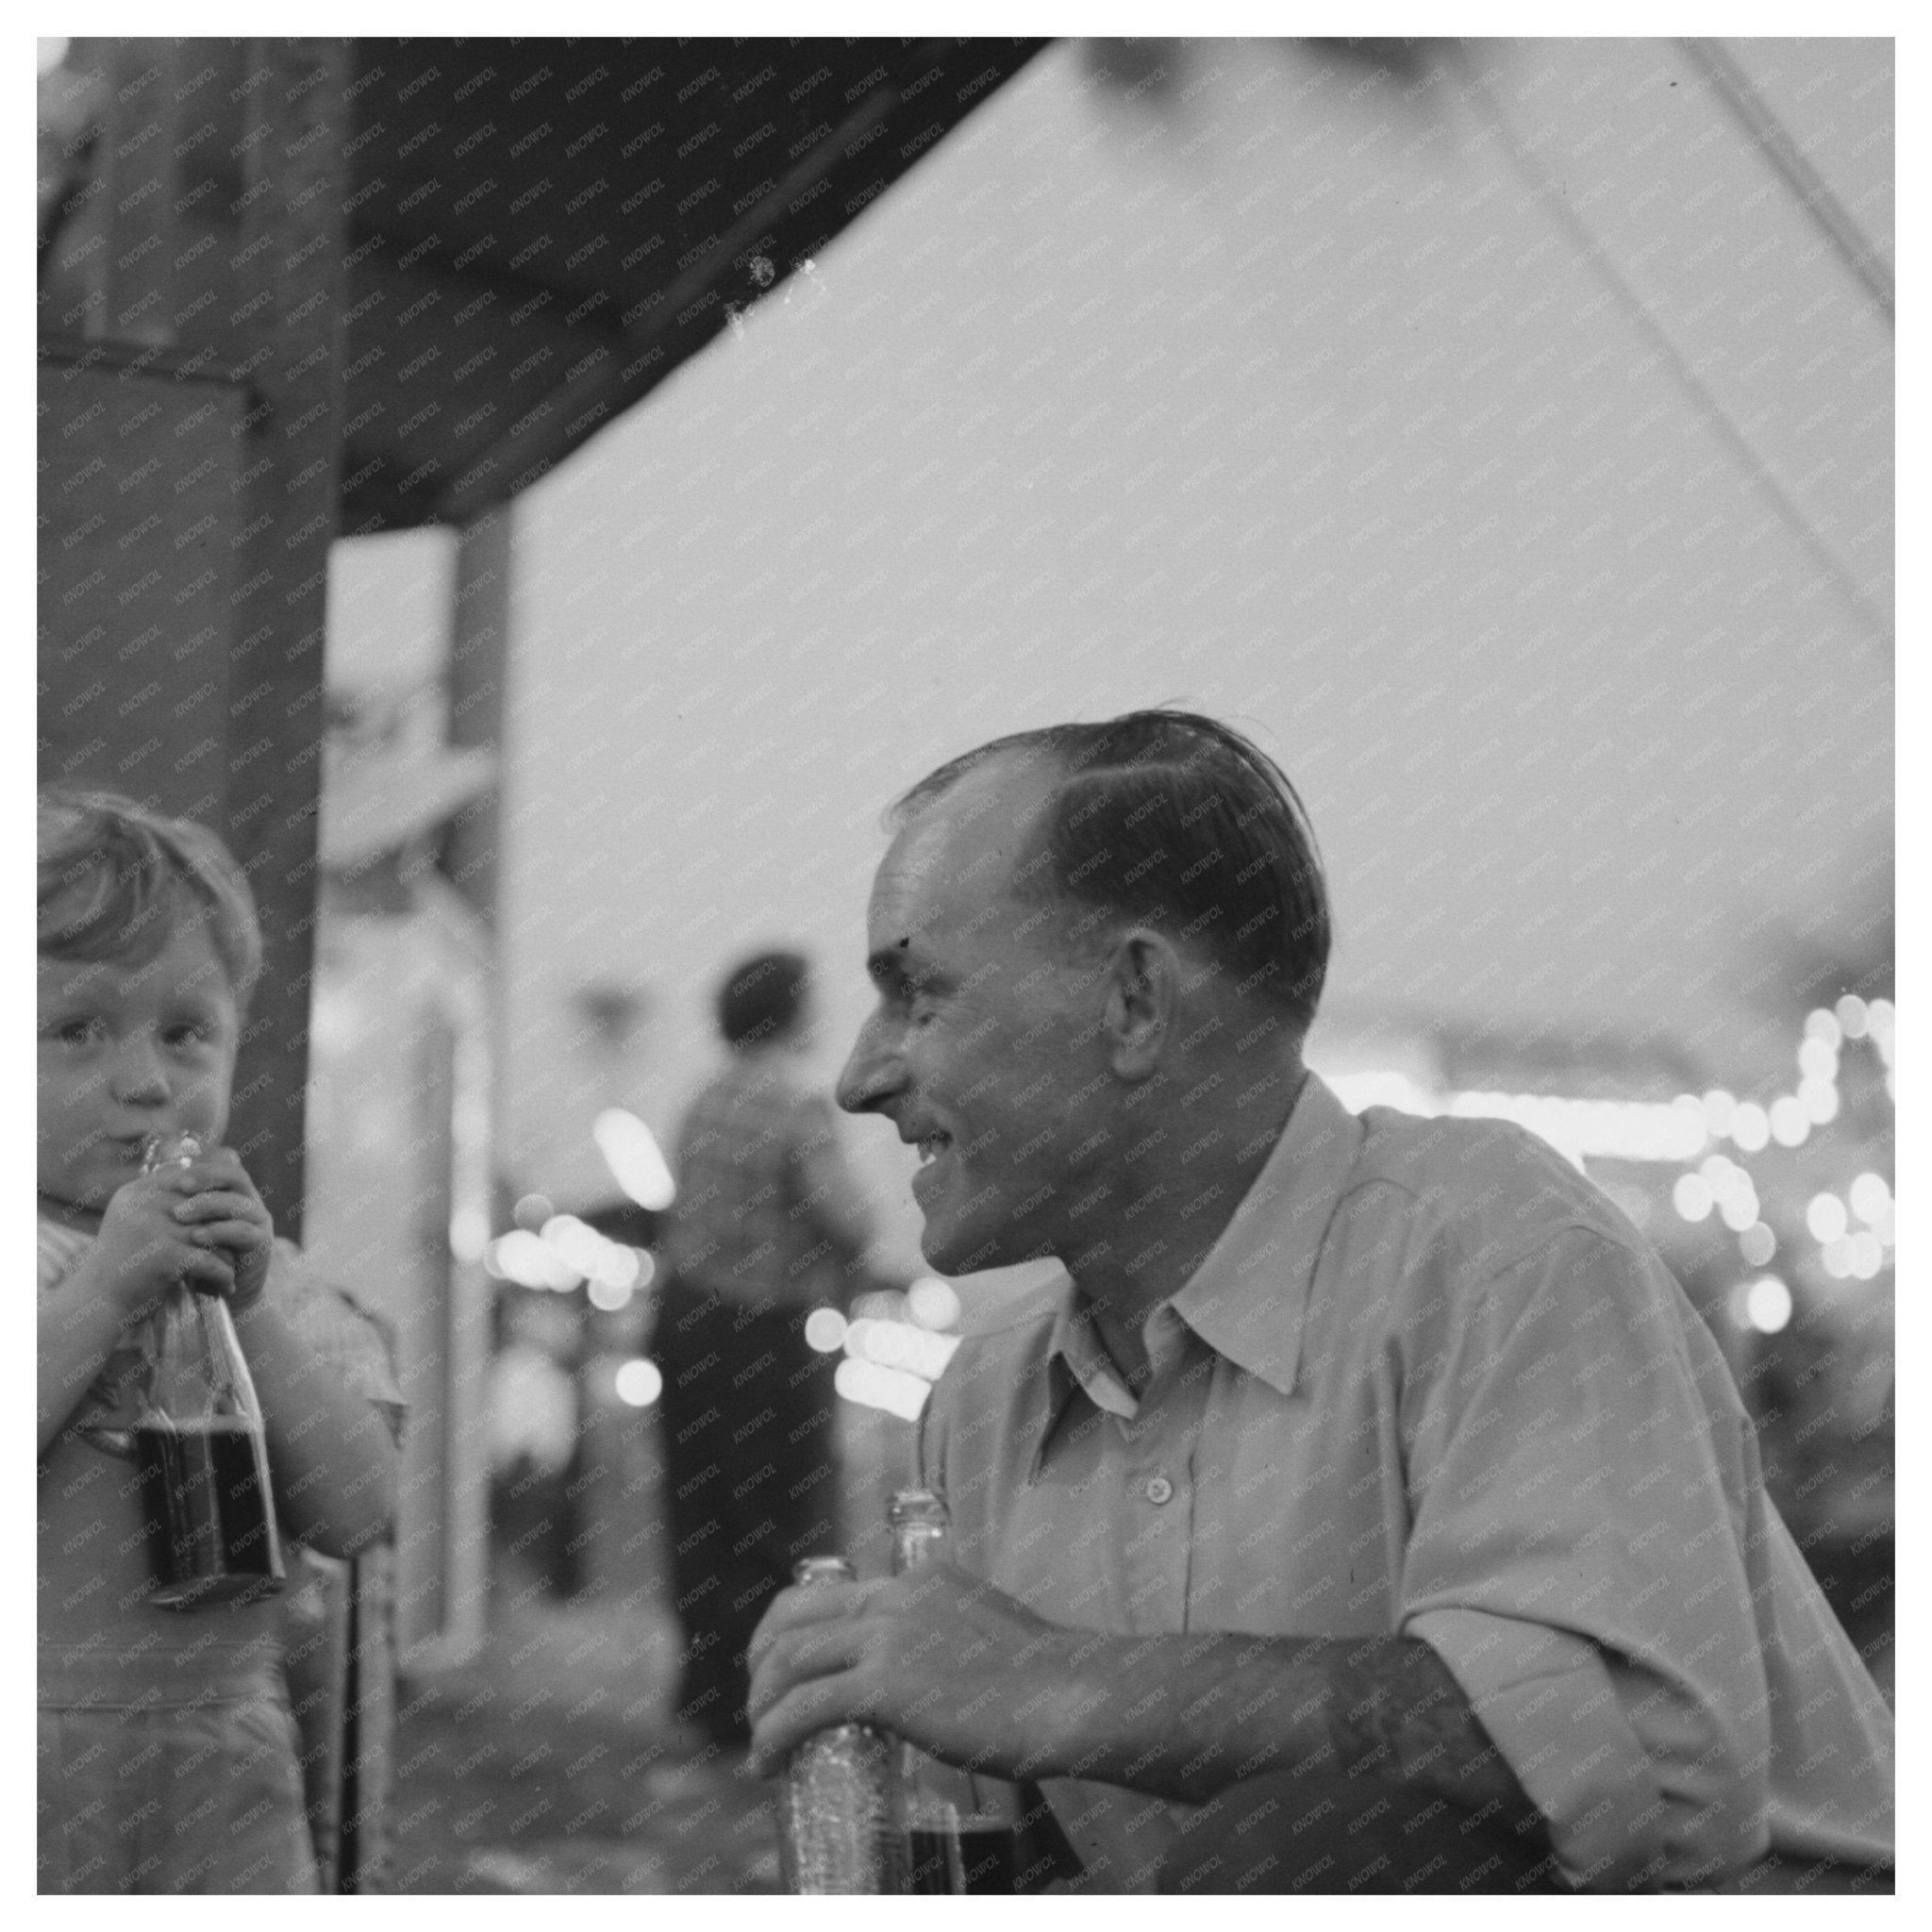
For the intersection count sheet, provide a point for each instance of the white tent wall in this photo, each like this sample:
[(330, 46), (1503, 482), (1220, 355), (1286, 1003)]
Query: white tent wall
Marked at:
[(1504, 445)]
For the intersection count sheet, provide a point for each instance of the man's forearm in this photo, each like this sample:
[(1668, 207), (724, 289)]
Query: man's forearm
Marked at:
[(1185, 1717)]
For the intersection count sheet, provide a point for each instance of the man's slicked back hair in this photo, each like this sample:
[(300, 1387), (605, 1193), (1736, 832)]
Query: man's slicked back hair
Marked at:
[(1172, 820)]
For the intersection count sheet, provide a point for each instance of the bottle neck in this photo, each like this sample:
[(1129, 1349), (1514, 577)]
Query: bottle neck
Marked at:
[(916, 1542)]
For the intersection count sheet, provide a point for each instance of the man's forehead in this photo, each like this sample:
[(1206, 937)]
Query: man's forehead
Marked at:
[(960, 849)]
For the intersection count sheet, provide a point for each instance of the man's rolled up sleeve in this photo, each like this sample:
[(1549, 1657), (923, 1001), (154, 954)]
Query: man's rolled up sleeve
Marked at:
[(1574, 1561)]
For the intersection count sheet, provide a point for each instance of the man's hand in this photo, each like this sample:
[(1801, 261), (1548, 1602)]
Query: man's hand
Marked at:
[(960, 1668), (147, 1244), (225, 1214), (977, 1679)]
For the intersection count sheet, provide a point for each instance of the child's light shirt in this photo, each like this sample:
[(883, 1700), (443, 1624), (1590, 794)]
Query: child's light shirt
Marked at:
[(101, 1643)]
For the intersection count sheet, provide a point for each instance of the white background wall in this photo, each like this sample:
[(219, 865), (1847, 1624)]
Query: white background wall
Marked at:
[(1323, 404)]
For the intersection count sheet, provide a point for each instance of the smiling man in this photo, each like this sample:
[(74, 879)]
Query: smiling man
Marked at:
[(1367, 1509)]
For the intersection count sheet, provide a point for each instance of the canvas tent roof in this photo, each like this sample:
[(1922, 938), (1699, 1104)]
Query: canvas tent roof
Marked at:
[(539, 231)]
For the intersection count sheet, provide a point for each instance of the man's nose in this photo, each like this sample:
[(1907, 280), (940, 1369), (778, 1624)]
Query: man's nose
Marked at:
[(872, 1074)]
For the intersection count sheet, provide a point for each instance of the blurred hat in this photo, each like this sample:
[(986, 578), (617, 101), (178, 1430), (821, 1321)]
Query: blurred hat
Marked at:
[(387, 775)]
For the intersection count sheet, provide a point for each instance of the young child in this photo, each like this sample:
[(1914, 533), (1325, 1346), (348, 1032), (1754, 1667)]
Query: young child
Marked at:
[(168, 1754)]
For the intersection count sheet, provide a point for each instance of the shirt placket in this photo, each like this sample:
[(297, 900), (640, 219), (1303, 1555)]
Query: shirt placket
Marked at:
[(1156, 1499)]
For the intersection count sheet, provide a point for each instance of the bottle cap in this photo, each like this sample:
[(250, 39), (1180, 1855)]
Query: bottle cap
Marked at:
[(916, 1505), (170, 1150), (824, 1570)]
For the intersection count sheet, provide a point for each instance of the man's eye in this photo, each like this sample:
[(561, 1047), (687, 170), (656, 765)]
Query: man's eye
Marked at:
[(187, 1033), (77, 1032)]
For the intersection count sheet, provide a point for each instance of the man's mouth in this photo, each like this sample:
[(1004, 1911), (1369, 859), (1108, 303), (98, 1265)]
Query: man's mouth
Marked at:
[(931, 1146)]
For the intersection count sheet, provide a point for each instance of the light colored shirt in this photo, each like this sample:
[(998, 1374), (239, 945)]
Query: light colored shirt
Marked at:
[(1429, 1382), (100, 1639)]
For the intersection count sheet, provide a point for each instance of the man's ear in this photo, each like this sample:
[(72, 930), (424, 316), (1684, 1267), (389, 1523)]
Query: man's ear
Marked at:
[(1144, 990)]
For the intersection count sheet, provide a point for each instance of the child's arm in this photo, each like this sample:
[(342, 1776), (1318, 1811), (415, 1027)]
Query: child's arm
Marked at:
[(331, 1451), (142, 1251), (334, 1459)]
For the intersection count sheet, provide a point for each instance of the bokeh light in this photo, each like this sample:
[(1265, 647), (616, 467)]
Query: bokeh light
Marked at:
[(1751, 1126), (932, 1302), (618, 1267), (1691, 1197), (1739, 1208), (1758, 1244), (1819, 1098), (469, 1234), (1852, 1015), (1817, 1061), (900, 1345), (577, 1244), (1821, 1025), (639, 1382), (1881, 1018), (1768, 1304), (875, 1385), (1825, 1217), (1870, 1197), (610, 1296), (636, 1162), (1790, 1124), (1868, 1257), (529, 1261), (825, 1330)]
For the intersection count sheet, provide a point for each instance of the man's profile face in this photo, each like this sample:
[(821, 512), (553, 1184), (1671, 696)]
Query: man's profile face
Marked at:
[(981, 1048)]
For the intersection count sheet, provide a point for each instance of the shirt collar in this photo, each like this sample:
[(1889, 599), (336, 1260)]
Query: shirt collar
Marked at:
[(1248, 1299)]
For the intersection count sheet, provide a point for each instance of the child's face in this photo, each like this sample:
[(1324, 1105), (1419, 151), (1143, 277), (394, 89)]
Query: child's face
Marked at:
[(127, 1052)]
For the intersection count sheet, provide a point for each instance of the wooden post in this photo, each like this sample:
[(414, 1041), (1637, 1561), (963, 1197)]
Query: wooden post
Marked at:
[(478, 668), (139, 179), (290, 282)]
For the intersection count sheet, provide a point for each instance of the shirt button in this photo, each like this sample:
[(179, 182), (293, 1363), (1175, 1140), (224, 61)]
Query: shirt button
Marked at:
[(1158, 1489)]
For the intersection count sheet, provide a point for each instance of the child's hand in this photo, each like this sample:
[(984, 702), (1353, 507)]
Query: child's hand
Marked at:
[(144, 1249), (224, 1211)]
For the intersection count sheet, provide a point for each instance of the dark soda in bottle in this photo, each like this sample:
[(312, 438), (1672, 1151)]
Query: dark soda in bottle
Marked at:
[(201, 1448), (966, 1833)]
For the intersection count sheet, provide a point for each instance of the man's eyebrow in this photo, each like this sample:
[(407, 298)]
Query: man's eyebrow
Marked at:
[(896, 965)]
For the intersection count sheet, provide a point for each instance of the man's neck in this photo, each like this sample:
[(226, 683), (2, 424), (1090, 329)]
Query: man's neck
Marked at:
[(1173, 1198)]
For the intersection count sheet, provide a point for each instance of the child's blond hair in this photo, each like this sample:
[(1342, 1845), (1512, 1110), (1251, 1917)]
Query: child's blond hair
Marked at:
[(118, 882)]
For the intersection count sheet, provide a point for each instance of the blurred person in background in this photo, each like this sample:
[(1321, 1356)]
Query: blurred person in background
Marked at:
[(768, 1225), (1366, 1508), (535, 1446)]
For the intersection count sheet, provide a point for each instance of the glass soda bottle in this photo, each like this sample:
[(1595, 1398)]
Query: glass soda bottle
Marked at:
[(197, 1439), (963, 1830), (840, 1830)]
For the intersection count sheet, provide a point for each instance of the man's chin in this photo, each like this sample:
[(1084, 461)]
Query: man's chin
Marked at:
[(957, 1252), (950, 1252)]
